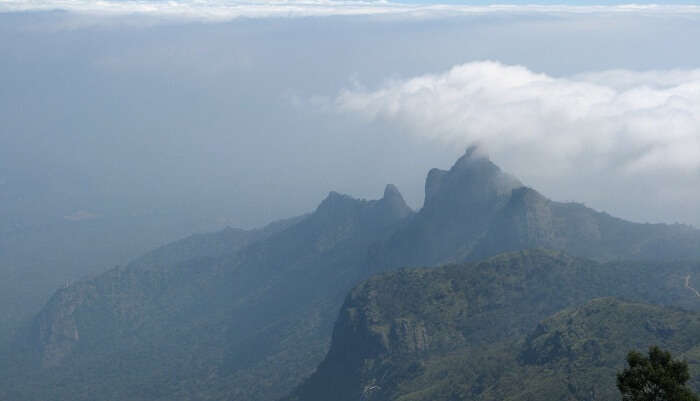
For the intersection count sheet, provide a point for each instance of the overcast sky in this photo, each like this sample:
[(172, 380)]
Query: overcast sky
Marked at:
[(242, 113)]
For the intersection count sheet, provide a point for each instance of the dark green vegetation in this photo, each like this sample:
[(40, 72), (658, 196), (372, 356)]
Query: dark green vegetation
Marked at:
[(248, 317), (471, 331), (654, 377)]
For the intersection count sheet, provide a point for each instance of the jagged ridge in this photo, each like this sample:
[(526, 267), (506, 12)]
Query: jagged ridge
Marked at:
[(250, 322)]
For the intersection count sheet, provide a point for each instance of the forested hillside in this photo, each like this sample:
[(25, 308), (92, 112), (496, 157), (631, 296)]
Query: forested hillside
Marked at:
[(524, 326)]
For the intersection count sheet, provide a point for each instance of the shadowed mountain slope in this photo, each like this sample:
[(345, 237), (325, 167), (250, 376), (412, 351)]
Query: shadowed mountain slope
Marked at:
[(223, 323)]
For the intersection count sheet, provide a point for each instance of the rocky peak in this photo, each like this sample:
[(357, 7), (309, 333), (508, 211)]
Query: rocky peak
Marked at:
[(433, 184), (390, 192), (391, 206), (336, 205), (472, 180), (472, 155), (393, 202), (334, 199)]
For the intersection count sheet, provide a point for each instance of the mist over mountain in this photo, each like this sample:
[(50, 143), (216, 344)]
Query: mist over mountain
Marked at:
[(475, 210), (247, 315), (127, 125), (153, 155)]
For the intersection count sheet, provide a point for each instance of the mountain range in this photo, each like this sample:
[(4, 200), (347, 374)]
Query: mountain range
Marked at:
[(250, 315)]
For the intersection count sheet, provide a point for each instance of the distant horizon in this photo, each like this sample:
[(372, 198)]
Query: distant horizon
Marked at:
[(223, 10), (550, 2)]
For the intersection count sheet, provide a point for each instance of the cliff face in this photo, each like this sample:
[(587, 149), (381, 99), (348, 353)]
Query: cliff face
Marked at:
[(471, 331), (56, 326)]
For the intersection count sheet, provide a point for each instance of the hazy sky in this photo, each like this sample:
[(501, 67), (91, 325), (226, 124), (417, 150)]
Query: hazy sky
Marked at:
[(136, 108)]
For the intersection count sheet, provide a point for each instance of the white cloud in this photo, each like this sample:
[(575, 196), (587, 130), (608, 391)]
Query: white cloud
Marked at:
[(616, 121), (230, 9)]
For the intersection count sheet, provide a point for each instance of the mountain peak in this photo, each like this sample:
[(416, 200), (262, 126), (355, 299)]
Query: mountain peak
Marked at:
[(334, 199), (472, 178), (380, 212), (394, 203), (390, 191), (472, 154)]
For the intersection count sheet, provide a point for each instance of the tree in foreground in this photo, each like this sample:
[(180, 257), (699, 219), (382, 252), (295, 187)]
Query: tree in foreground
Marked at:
[(656, 377)]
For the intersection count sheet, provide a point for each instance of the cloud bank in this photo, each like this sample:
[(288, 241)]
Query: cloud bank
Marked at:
[(230, 9), (623, 121)]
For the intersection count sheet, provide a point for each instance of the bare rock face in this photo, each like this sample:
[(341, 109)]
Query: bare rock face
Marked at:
[(409, 336), (56, 324)]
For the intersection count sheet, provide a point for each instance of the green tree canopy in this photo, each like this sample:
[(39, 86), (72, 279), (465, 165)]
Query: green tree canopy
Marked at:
[(657, 377)]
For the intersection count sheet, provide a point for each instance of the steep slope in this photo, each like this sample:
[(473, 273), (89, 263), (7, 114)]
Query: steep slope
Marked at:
[(475, 210), (459, 331), (217, 325)]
